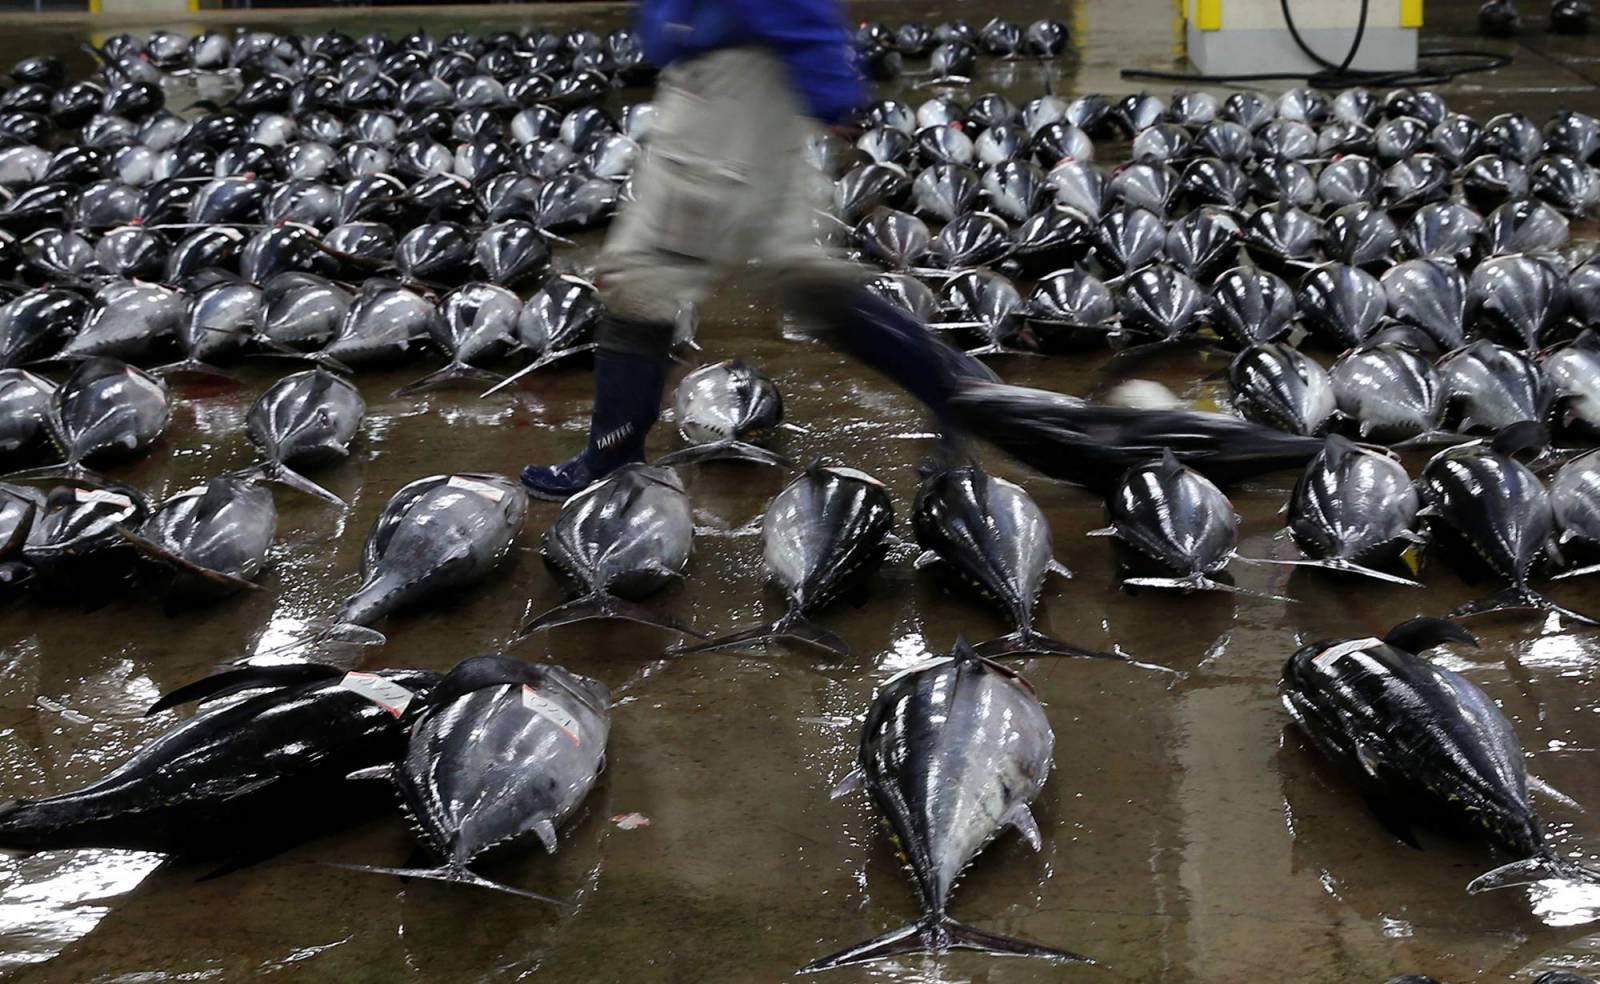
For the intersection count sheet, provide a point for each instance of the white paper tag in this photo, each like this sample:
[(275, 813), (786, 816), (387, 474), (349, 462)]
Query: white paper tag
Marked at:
[(484, 489), (380, 690), (101, 495), (1326, 658), (550, 711)]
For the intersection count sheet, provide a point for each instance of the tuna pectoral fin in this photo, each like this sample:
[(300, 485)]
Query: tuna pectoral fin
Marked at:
[(1030, 643), (1199, 582), (248, 678), (162, 555), (850, 783), (284, 475), (452, 373), (1578, 572), (458, 876), (1540, 867), (1518, 598), (603, 606), (934, 934), (1550, 792), (725, 451), (794, 628), (1342, 566), (1021, 817)]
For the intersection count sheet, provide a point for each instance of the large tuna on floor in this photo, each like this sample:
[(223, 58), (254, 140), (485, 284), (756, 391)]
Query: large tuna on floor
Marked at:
[(1421, 738), (308, 418), (821, 537), (238, 778), (952, 753), (722, 410), (620, 539), (436, 534), (501, 755)]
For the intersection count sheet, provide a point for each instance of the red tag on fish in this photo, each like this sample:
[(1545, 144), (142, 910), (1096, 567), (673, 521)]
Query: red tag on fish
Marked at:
[(551, 711), (380, 690)]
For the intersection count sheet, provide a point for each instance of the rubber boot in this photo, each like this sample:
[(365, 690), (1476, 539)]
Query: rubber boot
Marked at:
[(1570, 17), (630, 372), (1498, 18)]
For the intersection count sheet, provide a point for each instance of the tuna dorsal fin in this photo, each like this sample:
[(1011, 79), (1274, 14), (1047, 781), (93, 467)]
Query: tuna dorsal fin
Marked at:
[(1520, 436), (1170, 465), (247, 678), (1418, 635), (1334, 449), (478, 672)]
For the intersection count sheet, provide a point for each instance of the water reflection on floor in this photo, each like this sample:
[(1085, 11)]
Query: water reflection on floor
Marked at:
[(1187, 837)]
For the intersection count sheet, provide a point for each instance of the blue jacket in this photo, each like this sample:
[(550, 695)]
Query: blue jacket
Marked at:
[(809, 35)]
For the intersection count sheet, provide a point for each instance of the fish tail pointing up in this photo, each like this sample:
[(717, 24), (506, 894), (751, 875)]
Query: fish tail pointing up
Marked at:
[(933, 934), (1540, 867), (452, 874)]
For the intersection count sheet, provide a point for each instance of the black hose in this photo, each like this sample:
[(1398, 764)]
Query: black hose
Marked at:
[(1342, 76)]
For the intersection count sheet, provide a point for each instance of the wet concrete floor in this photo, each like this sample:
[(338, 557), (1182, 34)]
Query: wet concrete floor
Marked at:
[(1187, 838)]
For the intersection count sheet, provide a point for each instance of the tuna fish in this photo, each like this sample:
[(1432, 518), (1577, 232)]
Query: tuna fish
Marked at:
[(477, 321), (107, 410), (1352, 511), (1490, 387), (952, 753), (1175, 519), (1492, 505), (308, 418), (1418, 737), (1390, 392), (822, 537), (1573, 372), (621, 539), (436, 534), (989, 535), (501, 754), (212, 539), (1277, 385), (722, 410), (248, 777), (26, 406)]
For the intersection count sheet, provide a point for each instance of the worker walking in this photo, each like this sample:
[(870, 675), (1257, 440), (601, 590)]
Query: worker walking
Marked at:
[(724, 181)]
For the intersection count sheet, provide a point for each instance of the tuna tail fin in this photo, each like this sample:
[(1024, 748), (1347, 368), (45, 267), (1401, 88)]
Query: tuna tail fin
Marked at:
[(1342, 566), (452, 874), (602, 605), (1199, 582), (1515, 598), (449, 374), (273, 471), (793, 627), (194, 367), (1540, 867), (934, 933), (1027, 642), (188, 568), (725, 451)]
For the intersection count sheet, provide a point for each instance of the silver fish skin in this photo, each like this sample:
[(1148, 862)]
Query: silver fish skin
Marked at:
[(1353, 510), (502, 755), (438, 533), (620, 539), (952, 752), (1416, 734)]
